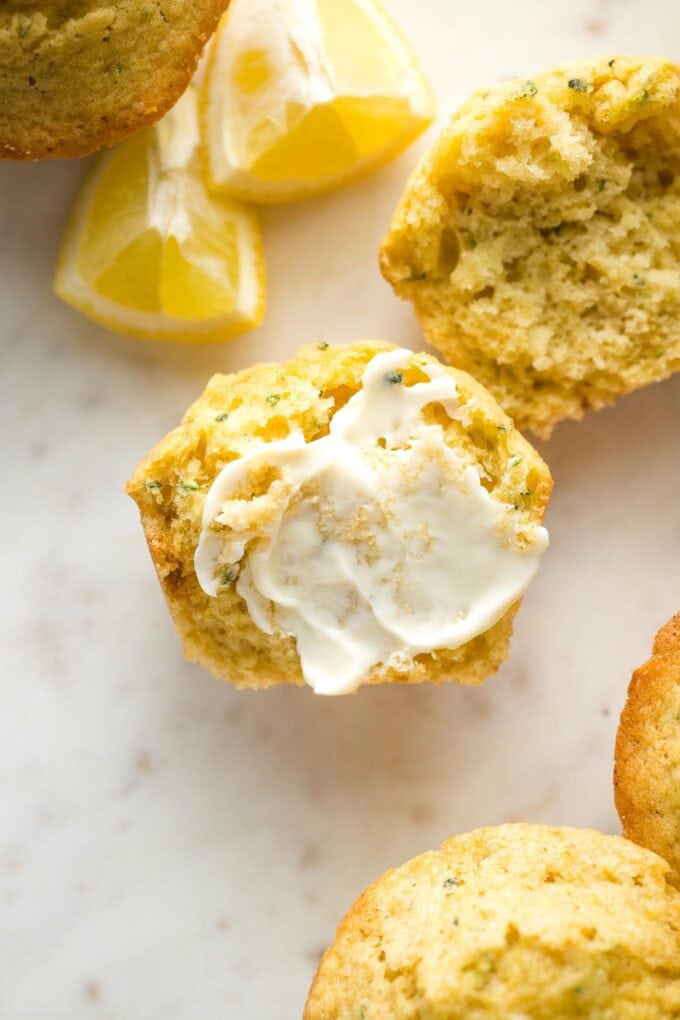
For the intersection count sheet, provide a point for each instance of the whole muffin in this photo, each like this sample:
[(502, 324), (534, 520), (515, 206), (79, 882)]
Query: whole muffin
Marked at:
[(539, 238), (76, 75), (359, 514), (519, 921), (647, 769)]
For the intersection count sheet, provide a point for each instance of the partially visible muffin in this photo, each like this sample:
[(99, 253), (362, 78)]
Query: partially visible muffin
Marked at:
[(254, 417), (539, 238), (519, 921), (76, 75), (647, 769)]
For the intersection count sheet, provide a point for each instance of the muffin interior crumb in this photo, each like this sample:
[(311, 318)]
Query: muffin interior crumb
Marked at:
[(540, 240)]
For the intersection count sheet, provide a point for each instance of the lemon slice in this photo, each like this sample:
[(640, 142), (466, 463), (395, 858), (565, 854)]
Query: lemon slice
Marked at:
[(149, 251), (302, 96)]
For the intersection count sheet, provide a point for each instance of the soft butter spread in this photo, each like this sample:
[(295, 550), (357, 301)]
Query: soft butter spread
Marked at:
[(379, 544)]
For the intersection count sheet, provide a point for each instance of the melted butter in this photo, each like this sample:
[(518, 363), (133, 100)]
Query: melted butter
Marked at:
[(372, 544)]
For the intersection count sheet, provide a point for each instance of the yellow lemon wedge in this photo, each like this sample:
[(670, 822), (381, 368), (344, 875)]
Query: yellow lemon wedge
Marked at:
[(151, 252), (303, 96)]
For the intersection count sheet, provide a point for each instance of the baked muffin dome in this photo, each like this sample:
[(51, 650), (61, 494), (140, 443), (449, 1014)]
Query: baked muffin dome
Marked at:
[(244, 424), (647, 770), (76, 75), (539, 238), (516, 921)]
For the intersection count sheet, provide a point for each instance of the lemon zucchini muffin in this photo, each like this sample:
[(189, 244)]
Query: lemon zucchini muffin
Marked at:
[(359, 514), (647, 770), (76, 75), (519, 921), (539, 238)]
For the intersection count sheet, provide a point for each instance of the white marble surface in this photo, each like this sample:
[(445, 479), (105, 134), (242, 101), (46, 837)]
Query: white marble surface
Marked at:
[(170, 848)]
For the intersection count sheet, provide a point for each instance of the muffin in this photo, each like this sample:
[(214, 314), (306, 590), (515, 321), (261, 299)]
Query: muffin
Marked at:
[(647, 769), (360, 514), (519, 921), (76, 75), (539, 238)]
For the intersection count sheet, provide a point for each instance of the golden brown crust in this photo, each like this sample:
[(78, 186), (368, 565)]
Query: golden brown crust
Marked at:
[(647, 760), (77, 75), (515, 921), (170, 486), (538, 238)]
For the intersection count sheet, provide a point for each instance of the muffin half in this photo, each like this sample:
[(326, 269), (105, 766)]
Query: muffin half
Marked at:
[(359, 514), (539, 238)]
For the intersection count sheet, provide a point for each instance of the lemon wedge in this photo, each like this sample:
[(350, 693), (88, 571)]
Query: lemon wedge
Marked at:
[(149, 251), (302, 96)]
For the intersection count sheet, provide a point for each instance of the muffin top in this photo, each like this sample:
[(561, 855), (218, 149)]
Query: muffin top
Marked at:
[(516, 921), (539, 237), (647, 769), (358, 514), (76, 75)]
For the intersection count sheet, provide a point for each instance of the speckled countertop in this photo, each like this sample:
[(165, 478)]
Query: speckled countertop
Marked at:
[(171, 848)]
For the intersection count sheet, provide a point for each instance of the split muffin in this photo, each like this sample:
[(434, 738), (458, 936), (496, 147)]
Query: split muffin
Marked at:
[(516, 921), (539, 238), (647, 770), (360, 514)]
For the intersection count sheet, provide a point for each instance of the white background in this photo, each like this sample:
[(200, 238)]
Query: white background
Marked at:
[(171, 848)]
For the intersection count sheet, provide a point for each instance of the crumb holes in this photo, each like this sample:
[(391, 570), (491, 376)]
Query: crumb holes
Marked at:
[(590, 273), (666, 178), (580, 183), (535, 484), (550, 878), (449, 251), (338, 394), (174, 579), (589, 933), (382, 443), (485, 292), (413, 374), (201, 448), (276, 428), (513, 271), (511, 935), (436, 414)]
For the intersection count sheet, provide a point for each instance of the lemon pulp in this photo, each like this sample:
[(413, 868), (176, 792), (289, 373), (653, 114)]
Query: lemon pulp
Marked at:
[(151, 252), (301, 96)]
